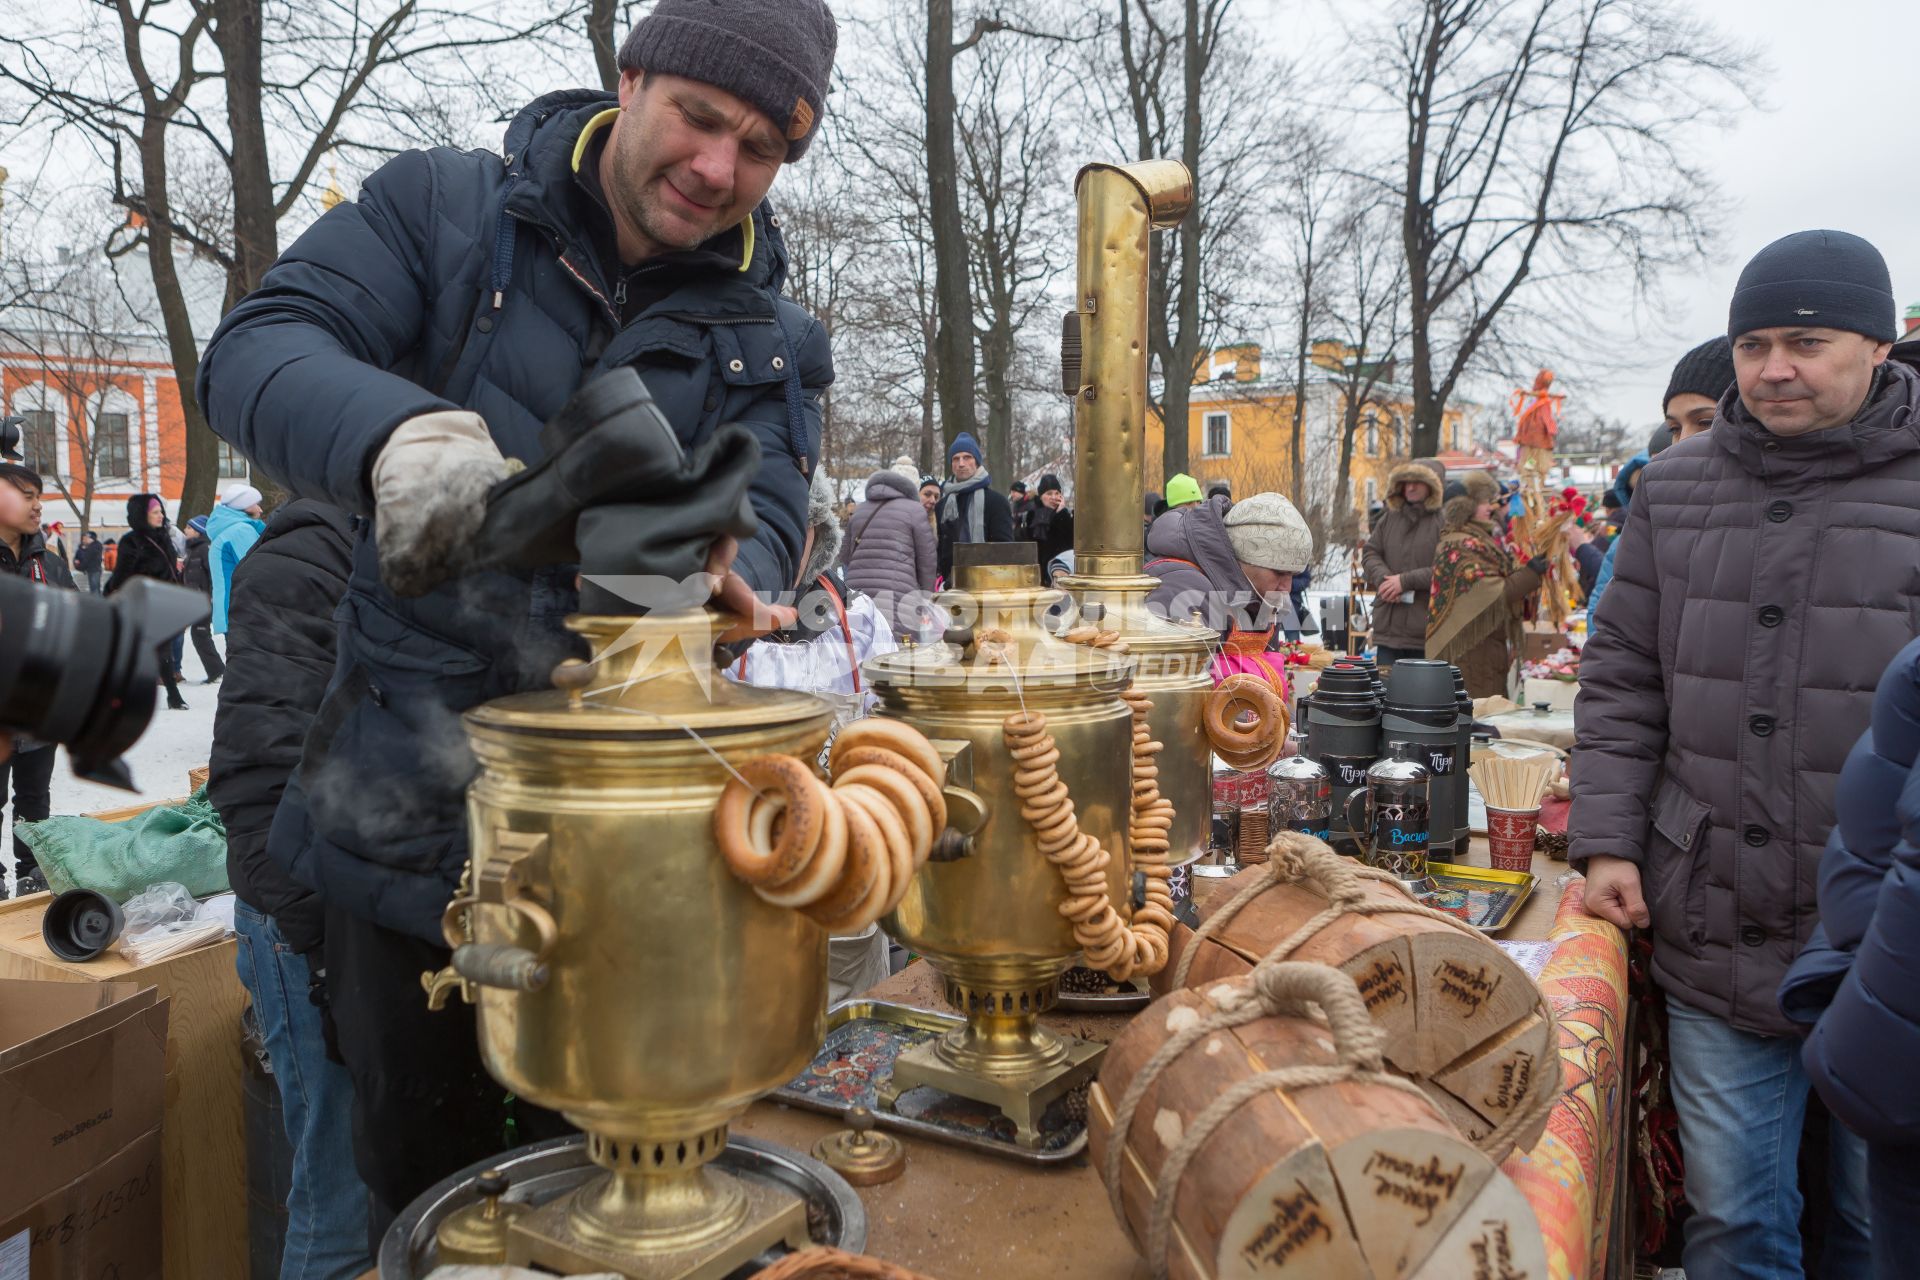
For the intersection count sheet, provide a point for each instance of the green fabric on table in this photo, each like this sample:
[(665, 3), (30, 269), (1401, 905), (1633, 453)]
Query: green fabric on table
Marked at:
[(184, 843)]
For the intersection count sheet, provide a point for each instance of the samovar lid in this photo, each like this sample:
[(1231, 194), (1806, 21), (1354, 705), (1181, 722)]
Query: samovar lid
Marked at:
[(650, 676)]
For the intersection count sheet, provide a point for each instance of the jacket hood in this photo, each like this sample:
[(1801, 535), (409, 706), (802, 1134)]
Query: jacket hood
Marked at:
[(887, 484), (1886, 427), (221, 519), (539, 155), (304, 513), (1634, 466), (137, 509), (1424, 470), (1198, 533)]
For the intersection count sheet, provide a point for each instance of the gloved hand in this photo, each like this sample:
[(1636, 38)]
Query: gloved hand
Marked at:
[(1539, 565), (430, 485)]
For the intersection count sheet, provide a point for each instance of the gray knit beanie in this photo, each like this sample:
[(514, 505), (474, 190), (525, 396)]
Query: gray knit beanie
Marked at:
[(776, 55)]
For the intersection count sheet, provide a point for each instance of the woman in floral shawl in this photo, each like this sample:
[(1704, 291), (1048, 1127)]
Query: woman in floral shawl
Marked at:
[(1473, 613)]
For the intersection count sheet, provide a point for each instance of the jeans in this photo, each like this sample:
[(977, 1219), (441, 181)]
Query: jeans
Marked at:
[(93, 581), (1385, 655), (327, 1202), (1894, 1175), (1742, 1099), (176, 651), (31, 773)]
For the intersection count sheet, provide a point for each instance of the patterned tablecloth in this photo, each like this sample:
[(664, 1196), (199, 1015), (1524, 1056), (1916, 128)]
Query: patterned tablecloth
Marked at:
[(1570, 1174)]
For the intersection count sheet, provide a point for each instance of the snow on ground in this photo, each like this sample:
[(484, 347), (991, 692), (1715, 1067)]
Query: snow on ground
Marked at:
[(174, 742)]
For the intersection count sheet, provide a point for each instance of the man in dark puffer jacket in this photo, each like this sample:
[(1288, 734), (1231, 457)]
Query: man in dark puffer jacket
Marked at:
[(1763, 581), (1858, 981), (407, 346), (280, 642)]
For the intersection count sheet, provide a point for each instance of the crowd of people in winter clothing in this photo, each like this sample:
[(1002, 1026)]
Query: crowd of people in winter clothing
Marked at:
[(1748, 720)]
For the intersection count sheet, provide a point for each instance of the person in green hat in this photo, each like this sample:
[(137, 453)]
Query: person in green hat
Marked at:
[(1181, 490)]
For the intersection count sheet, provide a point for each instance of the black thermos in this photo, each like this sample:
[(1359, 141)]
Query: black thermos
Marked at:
[(1422, 711), (1343, 737), (1463, 761)]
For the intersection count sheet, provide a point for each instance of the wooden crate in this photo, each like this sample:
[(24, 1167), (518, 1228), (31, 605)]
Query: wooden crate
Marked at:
[(197, 777), (203, 1139)]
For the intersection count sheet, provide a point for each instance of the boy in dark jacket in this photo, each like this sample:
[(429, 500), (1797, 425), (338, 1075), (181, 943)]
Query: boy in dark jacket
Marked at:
[(88, 561), (199, 576), (23, 553), (280, 642), (1857, 983)]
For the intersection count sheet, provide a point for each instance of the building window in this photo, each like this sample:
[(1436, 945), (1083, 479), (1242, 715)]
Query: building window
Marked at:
[(1219, 436), (1371, 421), (1393, 433), (232, 465), (110, 456), (38, 443), (1373, 492)]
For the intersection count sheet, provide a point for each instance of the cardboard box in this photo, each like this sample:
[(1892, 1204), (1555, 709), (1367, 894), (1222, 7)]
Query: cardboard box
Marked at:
[(82, 1076), (1538, 646)]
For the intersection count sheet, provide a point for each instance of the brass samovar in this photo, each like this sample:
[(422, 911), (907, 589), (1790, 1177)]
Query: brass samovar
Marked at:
[(625, 977), (1104, 370), (985, 910)]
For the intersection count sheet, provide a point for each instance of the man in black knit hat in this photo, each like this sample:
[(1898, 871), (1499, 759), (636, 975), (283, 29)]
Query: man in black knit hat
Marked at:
[(1761, 586), (399, 360)]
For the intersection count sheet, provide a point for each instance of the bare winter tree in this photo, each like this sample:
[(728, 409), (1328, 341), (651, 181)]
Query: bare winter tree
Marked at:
[(1183, 79), (138, 83), (1313, 185), (1546, 147), (1017, 216), (1366, 315)]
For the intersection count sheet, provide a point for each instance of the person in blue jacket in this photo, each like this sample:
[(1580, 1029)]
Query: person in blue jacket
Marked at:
[(1856, 984), (232, 528), (404, 359)]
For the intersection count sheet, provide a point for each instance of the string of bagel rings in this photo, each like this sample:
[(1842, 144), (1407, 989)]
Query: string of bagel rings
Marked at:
[(1107, 942), (842, 855), (1252, 746)]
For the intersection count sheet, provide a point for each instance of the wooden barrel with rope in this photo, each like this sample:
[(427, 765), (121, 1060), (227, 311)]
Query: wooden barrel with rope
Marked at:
[(1250, 1129), (1459, 1017)]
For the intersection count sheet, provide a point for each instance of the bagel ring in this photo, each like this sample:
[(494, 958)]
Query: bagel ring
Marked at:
[(893, 833), (867, 851), (901, 794), (894, 735), (930, 793), (1239, 693), (829, 861), (804, 801)]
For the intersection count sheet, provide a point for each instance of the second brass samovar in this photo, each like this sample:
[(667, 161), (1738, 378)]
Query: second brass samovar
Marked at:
[(625, 977), (986, 910), (1104, 368)]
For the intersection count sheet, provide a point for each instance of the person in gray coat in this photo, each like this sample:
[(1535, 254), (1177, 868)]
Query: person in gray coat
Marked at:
[(1764, 580), (1398, 559), (890, 552)]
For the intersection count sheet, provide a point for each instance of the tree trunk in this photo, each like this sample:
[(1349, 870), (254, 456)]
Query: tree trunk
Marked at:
[(203, 456), (1177, 374), (997, 360), (1343, 481), (952, 291), (600, 15), (1299, 494), (256, 227)]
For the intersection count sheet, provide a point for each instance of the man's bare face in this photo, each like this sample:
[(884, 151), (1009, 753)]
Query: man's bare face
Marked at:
[(685, 162), (1797, 381), (963, 465)]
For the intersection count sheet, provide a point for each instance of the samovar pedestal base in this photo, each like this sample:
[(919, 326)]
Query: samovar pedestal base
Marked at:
[(1022, 1095), (767, 1215)]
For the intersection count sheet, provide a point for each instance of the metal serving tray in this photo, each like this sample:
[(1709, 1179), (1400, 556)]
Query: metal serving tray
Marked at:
[(1127, 997), (1484, 898), (546, 1171), (863, 1039)]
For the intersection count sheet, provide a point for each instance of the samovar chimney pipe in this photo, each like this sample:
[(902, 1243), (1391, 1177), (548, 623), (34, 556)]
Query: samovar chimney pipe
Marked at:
[(1120, 205)]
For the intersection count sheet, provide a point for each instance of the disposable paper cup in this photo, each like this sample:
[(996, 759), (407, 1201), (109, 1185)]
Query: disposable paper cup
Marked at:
[(1510, 837)]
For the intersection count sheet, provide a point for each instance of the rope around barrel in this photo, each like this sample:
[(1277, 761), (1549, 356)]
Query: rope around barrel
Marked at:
[(1278, 988), (1292, 857), (824, 1263)]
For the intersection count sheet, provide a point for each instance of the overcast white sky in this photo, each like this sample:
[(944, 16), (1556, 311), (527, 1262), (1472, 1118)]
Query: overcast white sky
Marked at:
[(1833, 146)]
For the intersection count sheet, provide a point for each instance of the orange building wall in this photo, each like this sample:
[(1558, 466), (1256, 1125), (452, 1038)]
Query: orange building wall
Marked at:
[(79, 387)]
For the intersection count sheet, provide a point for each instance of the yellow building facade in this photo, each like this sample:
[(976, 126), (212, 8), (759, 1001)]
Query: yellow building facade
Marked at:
[(1240, 428)]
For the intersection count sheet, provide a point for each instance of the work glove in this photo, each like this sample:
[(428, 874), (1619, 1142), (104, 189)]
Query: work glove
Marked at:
[(1539, 565), (430, 486)]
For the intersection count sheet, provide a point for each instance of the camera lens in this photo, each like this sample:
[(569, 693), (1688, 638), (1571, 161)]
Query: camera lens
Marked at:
[(80, 671)]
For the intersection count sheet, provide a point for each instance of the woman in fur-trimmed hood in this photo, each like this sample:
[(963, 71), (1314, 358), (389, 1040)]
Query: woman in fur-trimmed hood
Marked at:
[(1473, 620), (1398, 558)]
